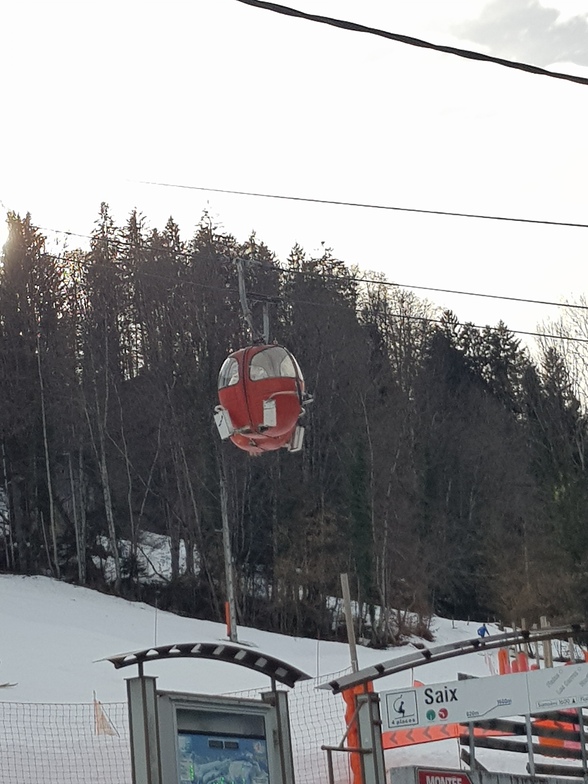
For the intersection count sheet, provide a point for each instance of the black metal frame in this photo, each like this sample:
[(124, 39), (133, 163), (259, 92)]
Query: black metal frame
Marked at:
[(273, 668), (449, 651)]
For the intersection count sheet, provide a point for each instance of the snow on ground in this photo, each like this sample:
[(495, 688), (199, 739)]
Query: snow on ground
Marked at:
[(55, 634), (153, 557), (55, 637)]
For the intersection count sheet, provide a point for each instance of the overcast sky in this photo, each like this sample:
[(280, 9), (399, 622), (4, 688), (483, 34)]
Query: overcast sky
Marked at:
[(97, 97), (535, 32)]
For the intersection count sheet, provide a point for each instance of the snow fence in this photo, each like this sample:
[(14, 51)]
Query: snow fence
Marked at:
[(57, 743)]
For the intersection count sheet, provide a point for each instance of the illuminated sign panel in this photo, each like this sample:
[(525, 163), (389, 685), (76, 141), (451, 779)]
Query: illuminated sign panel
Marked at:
[(229, 759)]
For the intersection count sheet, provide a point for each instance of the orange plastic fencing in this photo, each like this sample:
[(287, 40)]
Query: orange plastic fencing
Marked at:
[(521, 664), (560, 725), (503, 661), (523, 661), (399, 738)]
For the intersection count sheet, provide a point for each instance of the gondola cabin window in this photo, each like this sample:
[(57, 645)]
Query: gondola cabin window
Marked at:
[(229, 373), (272, 362)]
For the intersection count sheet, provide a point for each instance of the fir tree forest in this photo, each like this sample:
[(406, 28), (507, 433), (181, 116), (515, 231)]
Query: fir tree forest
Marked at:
[(444, 467)]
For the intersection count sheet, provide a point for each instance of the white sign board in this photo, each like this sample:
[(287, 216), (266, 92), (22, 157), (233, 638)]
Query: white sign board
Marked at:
[(558, 688), (494, 697)]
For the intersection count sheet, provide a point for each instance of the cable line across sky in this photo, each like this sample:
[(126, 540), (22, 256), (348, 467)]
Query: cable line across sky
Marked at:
[(366, 205), (367, 281), (406, 39)]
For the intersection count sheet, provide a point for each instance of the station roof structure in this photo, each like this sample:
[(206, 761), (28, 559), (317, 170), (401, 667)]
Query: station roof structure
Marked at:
[(426, 655), (231, 653)]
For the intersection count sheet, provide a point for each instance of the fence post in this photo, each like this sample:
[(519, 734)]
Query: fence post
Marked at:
[(144, 728), (370, 737)]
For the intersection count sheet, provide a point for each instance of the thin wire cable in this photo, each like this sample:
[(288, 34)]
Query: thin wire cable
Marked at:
[(524, 300), (431, 320), (370, 281), (406, 39), (425, 319), (365, 281), (364, 205)]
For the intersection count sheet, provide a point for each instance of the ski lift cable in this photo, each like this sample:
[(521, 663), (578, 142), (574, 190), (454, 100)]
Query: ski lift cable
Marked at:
[(411, 41), (368, 281), (261, 298), (425, 319), (365, 205)]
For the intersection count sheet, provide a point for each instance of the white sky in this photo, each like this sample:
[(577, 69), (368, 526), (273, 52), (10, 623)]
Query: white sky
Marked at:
[(213, 93)]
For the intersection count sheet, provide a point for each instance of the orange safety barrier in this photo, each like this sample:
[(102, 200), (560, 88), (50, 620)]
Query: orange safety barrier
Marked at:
[(228, 619), (560, 725), (523, 661), (503, 661), (399, 738)]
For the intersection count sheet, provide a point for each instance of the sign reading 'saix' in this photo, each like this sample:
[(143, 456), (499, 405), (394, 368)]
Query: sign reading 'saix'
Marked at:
[(439, 696), (456, 702), (459, 702)]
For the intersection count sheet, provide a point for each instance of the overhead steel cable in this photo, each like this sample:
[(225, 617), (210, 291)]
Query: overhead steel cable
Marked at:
[(402, 316), (365, 205), (367, 281), (407, 39), (505, 297)]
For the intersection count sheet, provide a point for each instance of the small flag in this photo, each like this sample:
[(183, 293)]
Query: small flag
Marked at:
[(102, 724)]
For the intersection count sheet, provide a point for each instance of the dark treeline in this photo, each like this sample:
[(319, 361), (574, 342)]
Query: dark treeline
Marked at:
[(444, 469)]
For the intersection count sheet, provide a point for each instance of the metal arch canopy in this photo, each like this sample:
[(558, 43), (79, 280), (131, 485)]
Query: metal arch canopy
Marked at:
[(449, 651), (276, 669)]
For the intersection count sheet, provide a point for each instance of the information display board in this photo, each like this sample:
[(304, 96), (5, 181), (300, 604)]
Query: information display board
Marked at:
[(230, 759)]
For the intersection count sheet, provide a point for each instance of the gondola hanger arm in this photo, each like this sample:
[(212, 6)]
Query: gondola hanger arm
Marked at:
[(256, 336)]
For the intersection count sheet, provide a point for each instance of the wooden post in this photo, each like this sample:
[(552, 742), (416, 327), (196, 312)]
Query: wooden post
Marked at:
[(535, 648), (526, 646), (513, 650), (547, 652), (231, 615), (349, 622)]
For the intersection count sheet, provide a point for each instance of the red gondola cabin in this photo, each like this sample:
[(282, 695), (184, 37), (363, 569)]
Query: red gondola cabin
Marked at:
[(261, 393)]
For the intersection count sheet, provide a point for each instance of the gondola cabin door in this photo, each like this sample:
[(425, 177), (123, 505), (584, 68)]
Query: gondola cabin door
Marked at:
[(261, 393)]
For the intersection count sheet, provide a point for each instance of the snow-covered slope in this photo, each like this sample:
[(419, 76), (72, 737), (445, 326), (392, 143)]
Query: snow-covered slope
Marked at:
[(54, 636)]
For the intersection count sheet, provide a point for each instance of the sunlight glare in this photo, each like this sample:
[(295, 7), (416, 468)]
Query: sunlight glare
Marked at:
[(3, 230)]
